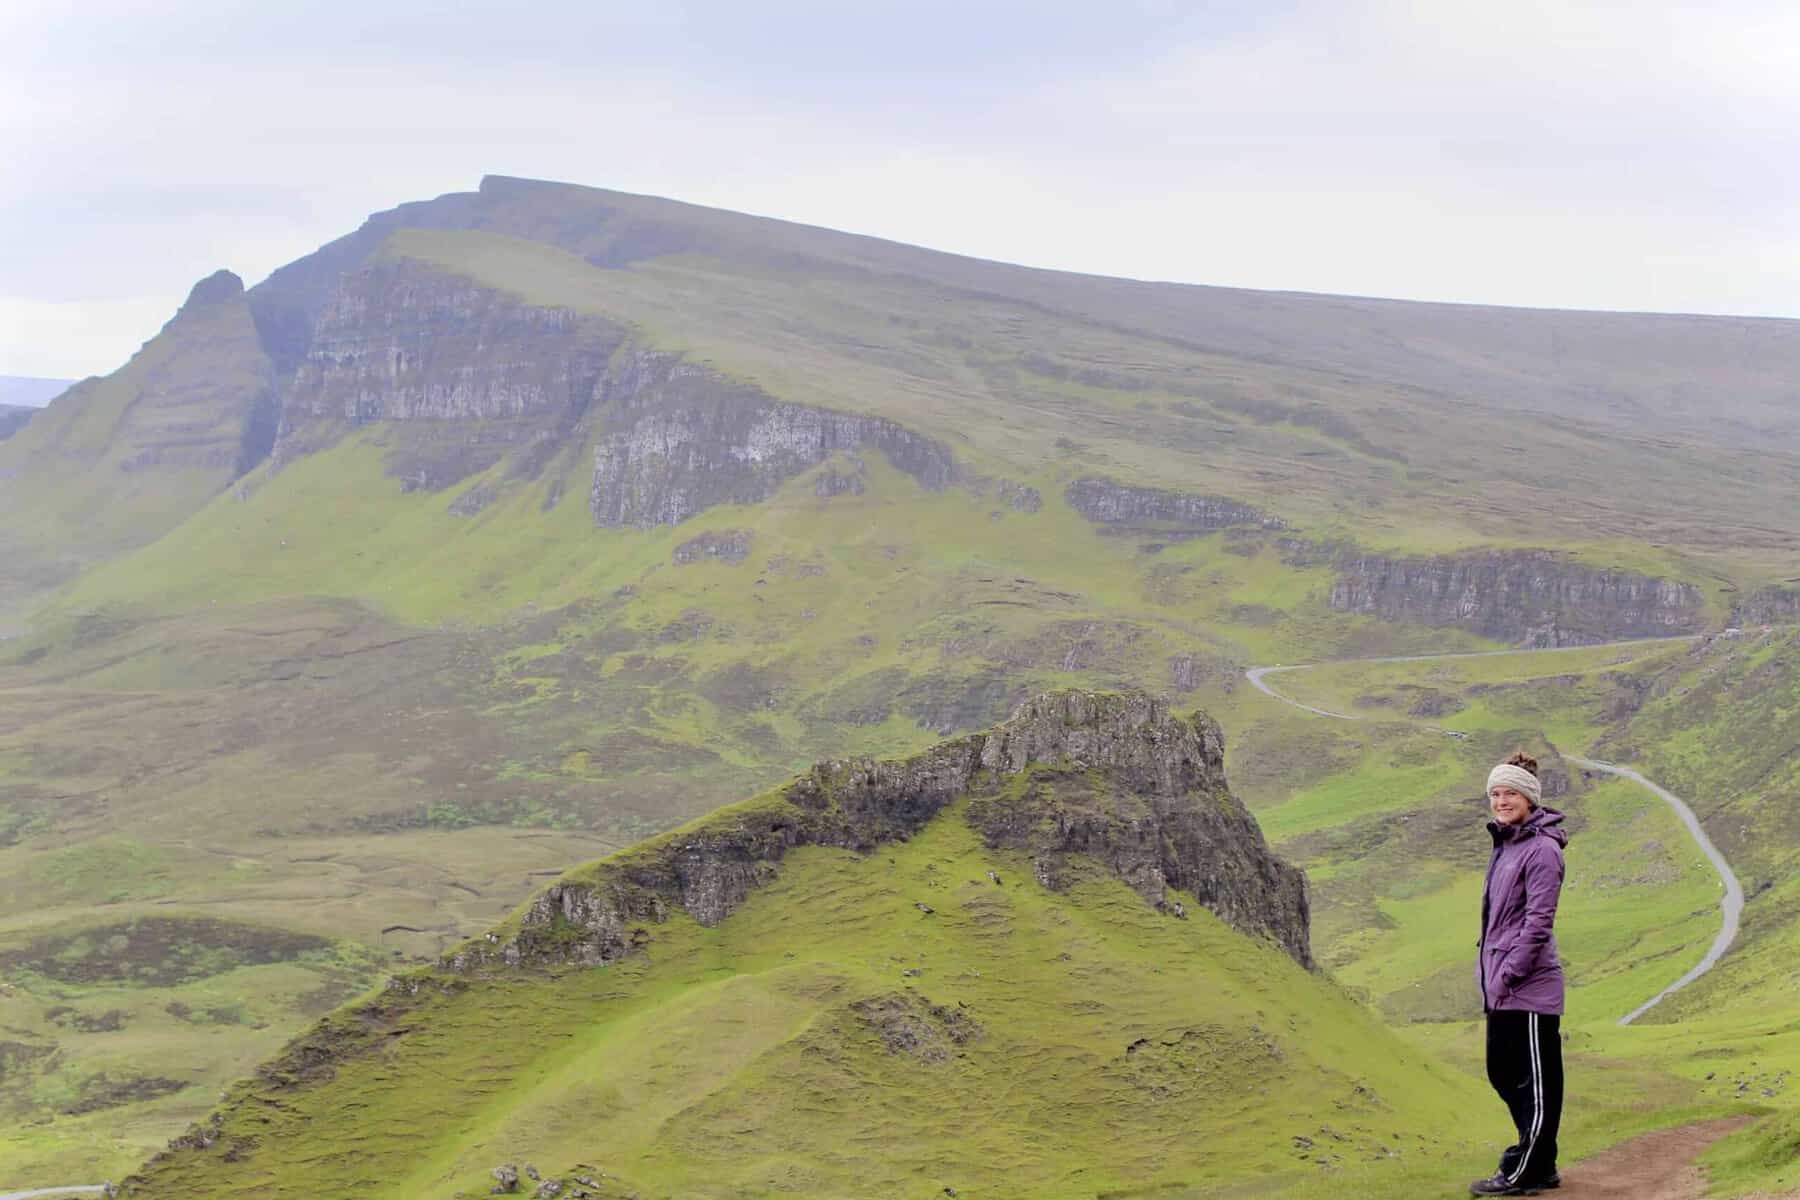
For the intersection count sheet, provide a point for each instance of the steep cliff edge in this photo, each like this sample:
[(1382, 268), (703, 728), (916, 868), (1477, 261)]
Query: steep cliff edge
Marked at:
[(1122, 508), (680, 438), (1112, 778), (188, 401), (1775, 604), (465, 374), (1534, 597)]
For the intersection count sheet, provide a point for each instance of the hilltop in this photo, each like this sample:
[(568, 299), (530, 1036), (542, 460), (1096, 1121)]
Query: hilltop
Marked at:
[(522, 524), (1054, 958)]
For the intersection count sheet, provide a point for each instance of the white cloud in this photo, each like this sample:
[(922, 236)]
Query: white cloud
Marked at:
[(72, 339)]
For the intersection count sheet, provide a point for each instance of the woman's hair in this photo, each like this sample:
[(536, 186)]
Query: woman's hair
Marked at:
[(1521, 759)]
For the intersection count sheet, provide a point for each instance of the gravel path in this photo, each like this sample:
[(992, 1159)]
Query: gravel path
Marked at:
[(1656, 1166), (78, 1190), (1731, 904)]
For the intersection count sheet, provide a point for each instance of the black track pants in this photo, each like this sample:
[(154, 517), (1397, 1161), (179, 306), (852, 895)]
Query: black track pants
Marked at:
[(1524, 1063)]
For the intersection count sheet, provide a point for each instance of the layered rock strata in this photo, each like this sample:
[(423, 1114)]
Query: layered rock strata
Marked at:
[(1072, 778), (1120, 505), (466, 373), (680, 439), (1535, 597), (1772, 605)]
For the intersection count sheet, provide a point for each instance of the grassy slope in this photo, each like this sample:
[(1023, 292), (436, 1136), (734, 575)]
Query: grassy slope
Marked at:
[(80, 483), (508, 710), (730, 1061), (552, 707), (1708, 720), (1019, 384)]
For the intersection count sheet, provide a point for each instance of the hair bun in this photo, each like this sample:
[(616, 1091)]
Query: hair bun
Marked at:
[(1522, 759)]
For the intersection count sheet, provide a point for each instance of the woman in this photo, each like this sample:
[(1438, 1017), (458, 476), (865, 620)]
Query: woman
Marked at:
[(1521, 978)]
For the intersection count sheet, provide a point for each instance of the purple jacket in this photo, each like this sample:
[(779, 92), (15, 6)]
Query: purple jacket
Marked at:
[(1518, 968)]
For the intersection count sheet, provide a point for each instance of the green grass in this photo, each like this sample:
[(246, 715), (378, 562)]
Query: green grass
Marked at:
[(1394, 918), (733, 1060), (330, 703)]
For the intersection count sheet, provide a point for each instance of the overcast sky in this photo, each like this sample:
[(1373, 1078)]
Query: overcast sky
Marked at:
[(1558, 153)]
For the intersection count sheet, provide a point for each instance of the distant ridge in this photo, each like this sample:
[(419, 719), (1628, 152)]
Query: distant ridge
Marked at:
[(31, 391)]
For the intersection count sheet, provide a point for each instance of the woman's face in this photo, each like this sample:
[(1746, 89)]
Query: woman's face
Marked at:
[(1510, 807)]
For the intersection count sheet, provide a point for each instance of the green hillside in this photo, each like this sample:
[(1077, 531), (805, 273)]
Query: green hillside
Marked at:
[(116, 462), (895, 1020), (523, 524), (1708, 720)]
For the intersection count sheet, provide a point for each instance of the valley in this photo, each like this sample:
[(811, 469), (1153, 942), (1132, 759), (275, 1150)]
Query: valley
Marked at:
[(523, 525)]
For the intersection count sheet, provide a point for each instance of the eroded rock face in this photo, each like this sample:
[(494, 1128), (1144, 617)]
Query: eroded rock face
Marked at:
[(724, 545), (912, 1026), (1536, 597), (468, 373), (1143, 793), (682, 438), (1773, 605), (1073, 778), (204, 392), (1116, 504), (401, 341)]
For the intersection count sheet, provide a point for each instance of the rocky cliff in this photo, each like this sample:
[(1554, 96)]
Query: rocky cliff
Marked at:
[(680, 438), (468, 373), (1772, 605), (1073, 778), (1135, 509), (1533, 597)]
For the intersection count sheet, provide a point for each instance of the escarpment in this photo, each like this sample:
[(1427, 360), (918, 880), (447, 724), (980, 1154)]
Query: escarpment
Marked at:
[(1126, 508), (680, 439), (466, 375), (401, 341), (1534, 597), (1072, 778), (1772, 605)]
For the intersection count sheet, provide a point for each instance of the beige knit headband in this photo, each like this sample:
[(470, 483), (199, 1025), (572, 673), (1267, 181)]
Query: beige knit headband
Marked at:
[(1518, 779)]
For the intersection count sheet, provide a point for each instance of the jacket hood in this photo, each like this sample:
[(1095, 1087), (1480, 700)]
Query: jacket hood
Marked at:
[(1543, 822)]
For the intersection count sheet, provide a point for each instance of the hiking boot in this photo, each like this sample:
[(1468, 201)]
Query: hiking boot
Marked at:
[(1496, 1185)]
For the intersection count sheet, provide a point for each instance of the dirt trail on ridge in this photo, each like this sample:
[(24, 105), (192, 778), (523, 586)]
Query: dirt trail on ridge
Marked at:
[(1656, 1166)]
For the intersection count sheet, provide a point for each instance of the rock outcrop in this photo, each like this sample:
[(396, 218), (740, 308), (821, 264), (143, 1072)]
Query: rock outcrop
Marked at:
[(1772, 605), (730, 546), (681, 438), (468, 373), (1072, 778), (401, 341), (1533, 597), (1144, 508)]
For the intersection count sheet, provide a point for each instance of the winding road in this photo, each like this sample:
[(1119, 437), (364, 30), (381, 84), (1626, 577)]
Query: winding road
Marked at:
[(1731, 905)]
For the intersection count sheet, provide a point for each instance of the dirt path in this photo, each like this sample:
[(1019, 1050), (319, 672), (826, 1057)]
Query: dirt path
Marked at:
[(1731, 904), (1656, 1166)]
